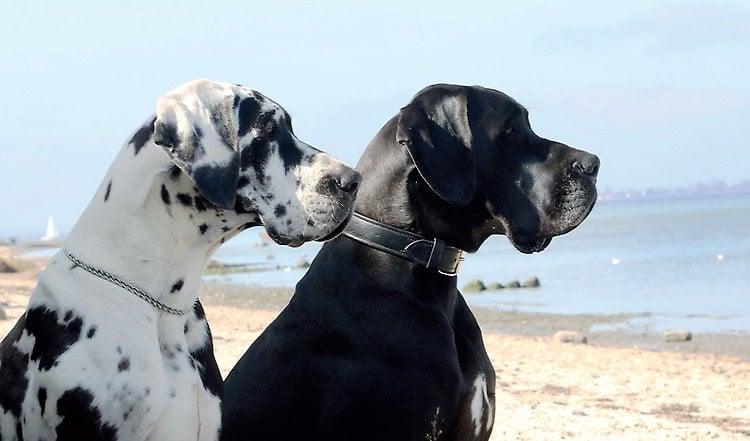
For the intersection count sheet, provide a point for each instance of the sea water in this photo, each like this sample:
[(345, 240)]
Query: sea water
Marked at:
[(685, 262)]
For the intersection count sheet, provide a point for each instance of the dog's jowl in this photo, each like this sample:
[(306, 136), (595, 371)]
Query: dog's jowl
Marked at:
[(113, 345), (377, 343)]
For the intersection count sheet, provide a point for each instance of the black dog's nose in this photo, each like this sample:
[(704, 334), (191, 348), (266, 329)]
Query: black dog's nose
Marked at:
[(586, 165)]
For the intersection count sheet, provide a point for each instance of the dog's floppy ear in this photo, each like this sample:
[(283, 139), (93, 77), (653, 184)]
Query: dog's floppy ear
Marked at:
[(195, 126), (434, 127)]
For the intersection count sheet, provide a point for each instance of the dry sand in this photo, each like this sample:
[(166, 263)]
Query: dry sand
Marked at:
[(546, 390)]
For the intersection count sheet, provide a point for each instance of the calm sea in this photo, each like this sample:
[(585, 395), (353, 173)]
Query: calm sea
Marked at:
[(685, 261)]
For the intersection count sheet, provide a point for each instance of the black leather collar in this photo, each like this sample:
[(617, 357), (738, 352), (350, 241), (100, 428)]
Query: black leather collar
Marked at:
[(429, 253)]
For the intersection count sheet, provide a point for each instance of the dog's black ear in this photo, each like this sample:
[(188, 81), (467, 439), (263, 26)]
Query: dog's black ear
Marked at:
[(434, 127), (193, 125)]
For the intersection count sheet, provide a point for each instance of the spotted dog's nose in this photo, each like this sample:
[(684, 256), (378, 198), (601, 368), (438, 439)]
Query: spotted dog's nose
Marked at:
[(349, 181), (346, 182), (586, 164)]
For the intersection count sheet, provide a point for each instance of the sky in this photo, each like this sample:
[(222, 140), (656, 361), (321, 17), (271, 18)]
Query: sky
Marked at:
[(659, 90)]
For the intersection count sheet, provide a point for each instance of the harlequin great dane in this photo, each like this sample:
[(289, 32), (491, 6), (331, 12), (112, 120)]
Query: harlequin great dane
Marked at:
[(377, 343), (113, 345)]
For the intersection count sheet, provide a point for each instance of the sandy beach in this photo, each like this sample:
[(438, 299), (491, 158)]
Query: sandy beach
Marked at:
[(617, 386)]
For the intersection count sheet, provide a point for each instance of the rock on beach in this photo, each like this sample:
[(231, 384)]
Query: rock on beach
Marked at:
[(677, 335), (474, 285), (574, 337)]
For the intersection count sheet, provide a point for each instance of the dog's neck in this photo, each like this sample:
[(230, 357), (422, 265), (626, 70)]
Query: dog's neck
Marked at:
[(389, 194), (393, 192), (142, 226)]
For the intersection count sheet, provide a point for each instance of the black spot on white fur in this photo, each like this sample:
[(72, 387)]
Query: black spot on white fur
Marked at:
[(41, 395), (177, 286), (290, 154), (123, 365), (51, 337), (200, 203), (279, 211), (185, 199), (248, 115), (175, 172), (141, 137), (165, 195), (165, 135), (203, 360), (109, 188), (218, 184), (243, 182), (81, 420), (256, 155)]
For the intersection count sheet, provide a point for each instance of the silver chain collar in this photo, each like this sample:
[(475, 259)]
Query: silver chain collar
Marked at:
[(125, 285)]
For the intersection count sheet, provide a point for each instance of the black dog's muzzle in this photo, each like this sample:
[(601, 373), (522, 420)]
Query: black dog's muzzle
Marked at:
[(429, 253)]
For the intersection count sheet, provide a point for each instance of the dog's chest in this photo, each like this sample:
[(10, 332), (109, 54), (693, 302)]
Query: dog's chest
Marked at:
[(141, 381)]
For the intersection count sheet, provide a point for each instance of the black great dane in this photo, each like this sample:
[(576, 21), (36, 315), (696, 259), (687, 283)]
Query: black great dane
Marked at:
[(377, 343)]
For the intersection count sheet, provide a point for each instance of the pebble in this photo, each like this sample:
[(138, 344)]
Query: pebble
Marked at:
[(570, 337), (678, 335)]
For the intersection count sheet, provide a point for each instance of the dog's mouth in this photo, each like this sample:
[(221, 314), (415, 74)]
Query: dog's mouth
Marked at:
[(297, 241), (570, 213), (293, 242), (338, 230)]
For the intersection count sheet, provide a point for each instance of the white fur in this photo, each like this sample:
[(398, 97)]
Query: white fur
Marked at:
[(480, 402)]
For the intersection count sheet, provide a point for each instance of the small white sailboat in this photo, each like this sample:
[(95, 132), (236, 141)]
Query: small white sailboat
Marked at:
[(51, 233)]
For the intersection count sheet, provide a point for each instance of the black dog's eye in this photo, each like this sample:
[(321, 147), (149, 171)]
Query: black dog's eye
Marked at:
[(509, 130)]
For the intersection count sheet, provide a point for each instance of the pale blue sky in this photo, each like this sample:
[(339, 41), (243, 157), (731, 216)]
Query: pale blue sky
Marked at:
[(658, 89)]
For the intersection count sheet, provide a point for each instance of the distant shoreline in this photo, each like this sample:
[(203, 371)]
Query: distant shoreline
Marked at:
[(697, 191)]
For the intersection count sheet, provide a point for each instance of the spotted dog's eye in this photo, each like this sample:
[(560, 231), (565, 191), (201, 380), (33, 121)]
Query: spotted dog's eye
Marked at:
[(269, 129)]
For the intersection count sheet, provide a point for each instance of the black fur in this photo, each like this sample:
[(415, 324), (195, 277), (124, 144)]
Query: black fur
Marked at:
[(52, 336), (81, 419), (13, 363), (109, 188), (204, 359), (141, 137)]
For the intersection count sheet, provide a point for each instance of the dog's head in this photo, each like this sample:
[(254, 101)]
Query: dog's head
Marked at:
[(239, 149), (479, 169)]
